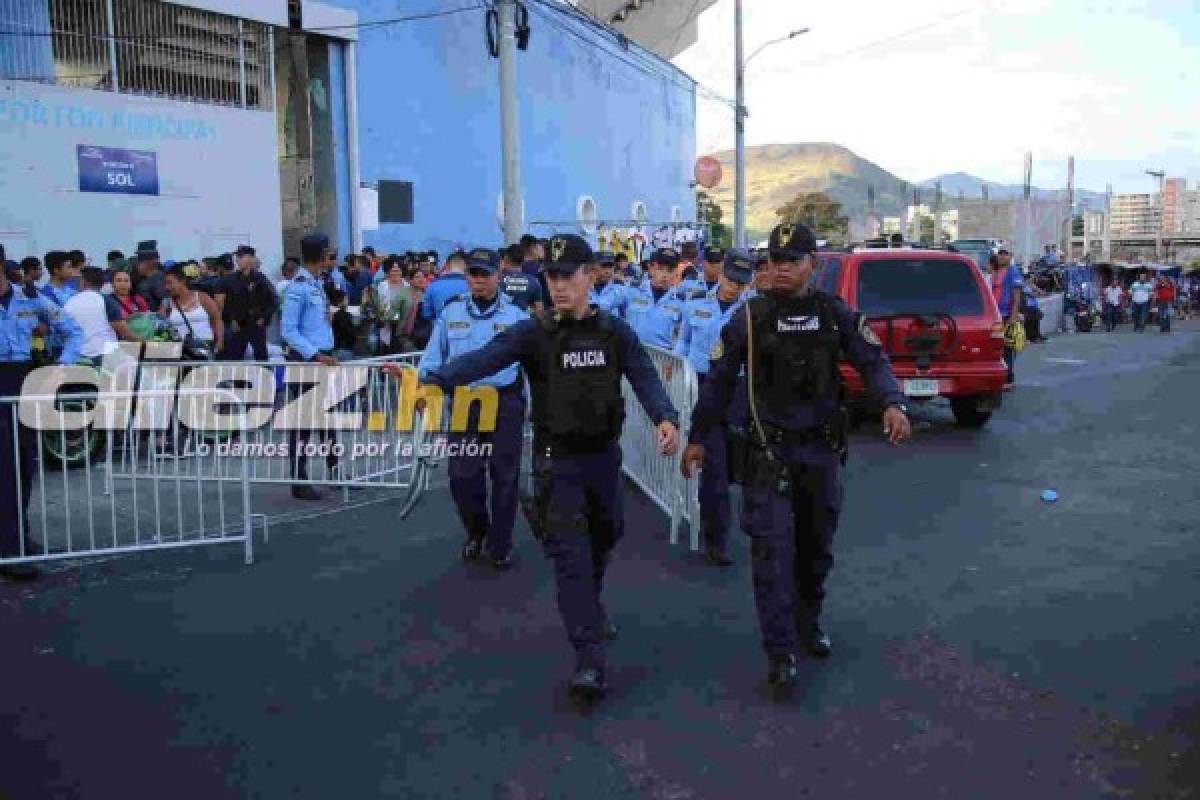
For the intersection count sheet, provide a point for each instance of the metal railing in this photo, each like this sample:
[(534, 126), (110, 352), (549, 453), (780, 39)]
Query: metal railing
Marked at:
[(54, 509), (144, 47)]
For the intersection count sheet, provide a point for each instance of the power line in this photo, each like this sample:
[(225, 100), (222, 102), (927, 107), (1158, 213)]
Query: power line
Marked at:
[(825, 60)]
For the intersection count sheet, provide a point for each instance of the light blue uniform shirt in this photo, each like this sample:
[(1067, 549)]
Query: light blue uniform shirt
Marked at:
[(58, 295), (464, 327), (305, 321), (701, 330), (441, 290), (656, 323), (611, 298), (18, 317)]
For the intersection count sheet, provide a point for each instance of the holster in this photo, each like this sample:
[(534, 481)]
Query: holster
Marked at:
[(536, 506)]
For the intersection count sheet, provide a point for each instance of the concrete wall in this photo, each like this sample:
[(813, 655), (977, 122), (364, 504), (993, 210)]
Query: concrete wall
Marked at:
[(591, 125), (218, 182)]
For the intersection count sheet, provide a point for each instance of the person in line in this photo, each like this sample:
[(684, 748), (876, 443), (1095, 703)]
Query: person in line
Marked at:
[(247, 301), (1112, 305), (22, 308), (1140, 292), (149, 283), (392, 305), (466, 324), (1164, 298), (193, 315), (1007, 287), (99, 316), (345, 332), (788, 339), (575, 358)]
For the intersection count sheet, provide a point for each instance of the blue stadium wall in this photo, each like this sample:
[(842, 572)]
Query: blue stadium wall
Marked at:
[(596, 120)]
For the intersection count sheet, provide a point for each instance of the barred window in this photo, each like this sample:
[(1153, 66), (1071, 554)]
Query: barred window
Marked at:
[(159, 49)]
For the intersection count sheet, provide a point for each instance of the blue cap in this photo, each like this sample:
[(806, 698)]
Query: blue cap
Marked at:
[(714, 254), (605, 258), (566, 253), (739, 266), (483, 258), (667, 257)]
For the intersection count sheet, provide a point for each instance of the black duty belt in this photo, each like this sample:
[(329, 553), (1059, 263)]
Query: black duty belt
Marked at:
[(822, 434)]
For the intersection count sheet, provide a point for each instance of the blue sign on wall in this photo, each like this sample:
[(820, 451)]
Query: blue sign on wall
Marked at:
[(109, 169)]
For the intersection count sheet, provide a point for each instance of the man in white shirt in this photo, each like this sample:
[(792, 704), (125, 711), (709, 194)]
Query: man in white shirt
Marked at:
[(1112, 306), (1140, 293), (99, 315)]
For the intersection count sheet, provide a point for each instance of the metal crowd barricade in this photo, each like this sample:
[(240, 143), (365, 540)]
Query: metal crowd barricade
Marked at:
[(660, 477), (368, 439), (67, 510)]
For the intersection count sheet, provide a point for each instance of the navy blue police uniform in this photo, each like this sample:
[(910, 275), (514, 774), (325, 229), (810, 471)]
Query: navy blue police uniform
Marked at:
[(465, 325), (699, 340), (574, 368), (792, 490)]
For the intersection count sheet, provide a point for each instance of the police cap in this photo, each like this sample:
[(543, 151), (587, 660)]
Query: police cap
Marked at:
[(790, 242), (714, 255), (667, 257), (739, 266), (244, 250), (484, 259), (567, 253), (605, 258)]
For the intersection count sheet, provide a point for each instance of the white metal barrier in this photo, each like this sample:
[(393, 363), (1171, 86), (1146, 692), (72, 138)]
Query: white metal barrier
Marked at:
[(65, 510)]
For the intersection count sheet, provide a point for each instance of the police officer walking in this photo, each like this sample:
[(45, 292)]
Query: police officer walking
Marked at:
[(607, 295), (654, 312), (788, 340), (308, 336), (698, 339), (575, 358), (22, 308), (467, 323)]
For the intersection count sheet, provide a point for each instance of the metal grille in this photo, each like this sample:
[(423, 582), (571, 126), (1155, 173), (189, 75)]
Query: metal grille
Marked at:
[(145, 47)]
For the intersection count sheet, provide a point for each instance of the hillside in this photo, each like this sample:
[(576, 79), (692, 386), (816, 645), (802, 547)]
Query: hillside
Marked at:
[(776, 173)]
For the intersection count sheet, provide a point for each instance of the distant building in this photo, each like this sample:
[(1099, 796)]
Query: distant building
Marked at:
[(1135, 215), (1173, 189)]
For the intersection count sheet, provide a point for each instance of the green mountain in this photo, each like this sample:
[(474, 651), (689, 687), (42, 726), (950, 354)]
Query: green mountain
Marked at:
[(776, 173)]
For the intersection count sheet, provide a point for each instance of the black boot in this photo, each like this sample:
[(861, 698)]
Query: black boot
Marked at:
[(782, 672), (817, 642), (472, 550), (588, 683)]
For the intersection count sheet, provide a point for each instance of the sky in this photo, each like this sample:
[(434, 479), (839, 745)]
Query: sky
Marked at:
[(941, 86)]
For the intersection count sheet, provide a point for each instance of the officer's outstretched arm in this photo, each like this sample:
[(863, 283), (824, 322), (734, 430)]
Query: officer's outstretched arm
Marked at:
[(639, 370), (436, 351), (864, 350), (514, 344)]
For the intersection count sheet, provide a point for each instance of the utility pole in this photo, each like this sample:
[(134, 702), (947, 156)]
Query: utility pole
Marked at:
[(1070, 208), (1162, 187), (739, 201), (510, 134)]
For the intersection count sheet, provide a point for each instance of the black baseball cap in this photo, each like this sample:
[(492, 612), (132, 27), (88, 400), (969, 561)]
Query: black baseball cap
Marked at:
[(667, 257), (714, 254), (605, 258), (483, 258), (1004, 250), (567, 253), (739, 266), (244, 250), (790, 242)]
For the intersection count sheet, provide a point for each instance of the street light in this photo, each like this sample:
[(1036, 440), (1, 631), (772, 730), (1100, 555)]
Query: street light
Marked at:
[(740, 114)]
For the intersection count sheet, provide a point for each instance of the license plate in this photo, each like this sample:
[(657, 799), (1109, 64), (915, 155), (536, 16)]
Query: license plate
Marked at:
[(921, 388)]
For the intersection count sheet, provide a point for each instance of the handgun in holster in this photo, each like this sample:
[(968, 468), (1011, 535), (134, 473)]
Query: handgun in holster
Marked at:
[(536, 505)]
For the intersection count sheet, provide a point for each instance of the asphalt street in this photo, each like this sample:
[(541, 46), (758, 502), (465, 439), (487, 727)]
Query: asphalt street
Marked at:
[(988, 644)]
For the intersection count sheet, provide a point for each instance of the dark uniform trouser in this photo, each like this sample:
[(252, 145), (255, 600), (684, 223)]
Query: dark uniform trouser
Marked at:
[(469, 474), (584, 521), (792, 544), (248, 333), (298, 439), (18, 463), (714, 488)]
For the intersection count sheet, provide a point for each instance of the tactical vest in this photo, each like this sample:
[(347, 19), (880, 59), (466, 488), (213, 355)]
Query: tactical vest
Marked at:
[(583, 380), (796, 345)]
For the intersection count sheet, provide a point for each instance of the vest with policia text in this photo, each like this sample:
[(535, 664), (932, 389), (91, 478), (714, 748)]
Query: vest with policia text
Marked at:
[(796, 346), (583, 381)]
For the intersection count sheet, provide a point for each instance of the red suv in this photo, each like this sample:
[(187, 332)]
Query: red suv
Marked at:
[(936, 318)]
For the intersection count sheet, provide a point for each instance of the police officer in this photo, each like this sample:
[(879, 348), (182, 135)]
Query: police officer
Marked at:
[(788, 338), (308, 338), (607, 295), (654, 312), (523, 290), (698, 338), (467, 323), (575, 358), (451, 283), (22, 308)]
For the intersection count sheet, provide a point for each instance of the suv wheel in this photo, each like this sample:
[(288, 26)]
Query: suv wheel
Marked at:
[(967, 413)]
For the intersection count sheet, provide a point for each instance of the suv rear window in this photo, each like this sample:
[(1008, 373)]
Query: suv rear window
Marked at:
[(918, 286)]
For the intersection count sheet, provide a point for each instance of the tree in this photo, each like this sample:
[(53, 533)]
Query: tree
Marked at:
[(707, 210), (818, 211)]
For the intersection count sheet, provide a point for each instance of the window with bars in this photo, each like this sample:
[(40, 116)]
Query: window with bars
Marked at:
[(145, 47)]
